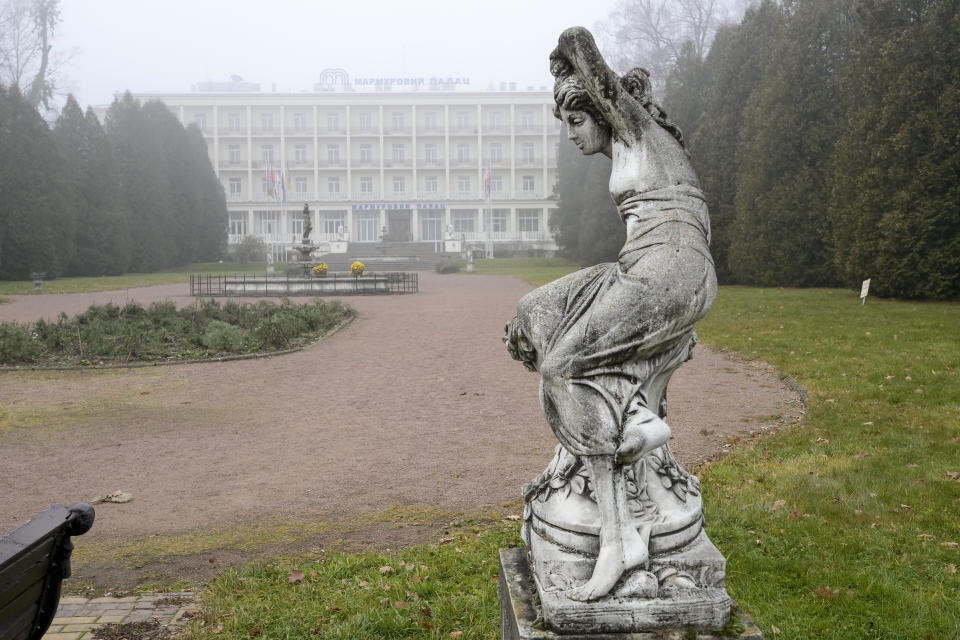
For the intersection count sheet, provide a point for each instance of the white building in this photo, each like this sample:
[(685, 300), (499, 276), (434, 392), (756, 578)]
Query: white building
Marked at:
[(384, 164)]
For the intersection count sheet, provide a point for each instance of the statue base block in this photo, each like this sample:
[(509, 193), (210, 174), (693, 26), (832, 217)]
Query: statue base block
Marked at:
[(612, 618)]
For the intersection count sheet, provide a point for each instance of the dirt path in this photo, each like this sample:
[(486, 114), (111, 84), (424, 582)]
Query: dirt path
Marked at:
[(414, 403)]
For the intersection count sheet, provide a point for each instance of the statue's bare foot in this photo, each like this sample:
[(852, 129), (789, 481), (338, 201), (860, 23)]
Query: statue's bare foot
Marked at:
[(643, 432), (612, 564)]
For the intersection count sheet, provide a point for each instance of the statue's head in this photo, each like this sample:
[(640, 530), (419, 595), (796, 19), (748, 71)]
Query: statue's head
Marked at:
[(574, 107)]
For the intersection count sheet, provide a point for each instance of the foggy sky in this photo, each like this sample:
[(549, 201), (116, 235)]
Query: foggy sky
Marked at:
[(170, 45)]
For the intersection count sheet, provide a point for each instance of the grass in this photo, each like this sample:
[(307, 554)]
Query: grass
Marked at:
[(536, 271), (130, 280), (265, 535), (444, 590), (847, 525)]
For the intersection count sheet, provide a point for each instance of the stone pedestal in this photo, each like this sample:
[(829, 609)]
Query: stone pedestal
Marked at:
[(613, 618)]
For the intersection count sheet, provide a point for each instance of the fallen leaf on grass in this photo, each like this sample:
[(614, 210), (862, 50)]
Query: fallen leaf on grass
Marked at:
[(905, 507), (363, 584), (295, 576), (218, 628), (862, 454), (926, 536), (426, 612), (778, 503), (827, 592), (416, 579), (774, 630), (254, 632), (456, 634), (313, 574), (951, 568), (399, 604), (387, 569), (821, 441), (902, 559), (954, 475), (949, 545)]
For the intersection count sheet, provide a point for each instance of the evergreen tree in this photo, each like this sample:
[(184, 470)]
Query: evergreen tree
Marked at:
[(211, 204), (587, 227), (145, 188), (99, 242), (895, 194), (726, 80), (781, 230), (36, 223)]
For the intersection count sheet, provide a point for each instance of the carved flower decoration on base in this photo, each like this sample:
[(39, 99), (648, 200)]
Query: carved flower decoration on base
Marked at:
[(675, 478)]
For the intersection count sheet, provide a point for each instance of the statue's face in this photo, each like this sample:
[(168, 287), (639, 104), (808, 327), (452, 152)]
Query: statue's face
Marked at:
[(588, 134)]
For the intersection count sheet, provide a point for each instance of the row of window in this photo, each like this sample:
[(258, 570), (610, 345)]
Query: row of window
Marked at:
[(430, 183), (365, 121), (431, 153), (365, 223)]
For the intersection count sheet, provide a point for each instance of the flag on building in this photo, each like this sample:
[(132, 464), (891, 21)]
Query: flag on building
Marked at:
[(271, 183), (283, 185), (486, 183)]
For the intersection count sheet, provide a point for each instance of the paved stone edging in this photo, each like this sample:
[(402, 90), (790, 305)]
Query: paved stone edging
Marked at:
[(77, 616)]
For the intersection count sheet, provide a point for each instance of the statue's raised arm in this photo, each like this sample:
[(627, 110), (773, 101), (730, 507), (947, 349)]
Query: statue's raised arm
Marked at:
[(577, 53)]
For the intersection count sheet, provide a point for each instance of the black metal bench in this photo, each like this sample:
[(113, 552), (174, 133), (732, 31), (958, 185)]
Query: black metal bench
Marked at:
[(34, 559)]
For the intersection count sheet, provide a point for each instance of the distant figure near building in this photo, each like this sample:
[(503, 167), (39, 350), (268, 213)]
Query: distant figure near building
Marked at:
[(307, 223)]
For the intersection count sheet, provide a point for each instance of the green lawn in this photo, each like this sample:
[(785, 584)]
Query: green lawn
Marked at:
[(534, 271), (130, 280)]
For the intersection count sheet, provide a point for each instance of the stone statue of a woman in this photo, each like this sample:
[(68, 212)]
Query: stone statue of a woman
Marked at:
[(606, 339)]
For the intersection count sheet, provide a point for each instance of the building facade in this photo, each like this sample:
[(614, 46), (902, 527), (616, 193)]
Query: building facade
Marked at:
[(382, 165)]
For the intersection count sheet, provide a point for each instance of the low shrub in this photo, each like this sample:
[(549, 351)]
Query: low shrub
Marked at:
[(17, 344), (221, 336), (447, 266), (163, 332)]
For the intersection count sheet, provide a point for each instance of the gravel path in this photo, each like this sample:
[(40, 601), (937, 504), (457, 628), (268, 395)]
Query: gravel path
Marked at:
[(416, 402)]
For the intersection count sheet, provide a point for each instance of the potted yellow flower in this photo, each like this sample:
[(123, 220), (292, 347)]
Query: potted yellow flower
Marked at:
[(356, 269), (320, 269)]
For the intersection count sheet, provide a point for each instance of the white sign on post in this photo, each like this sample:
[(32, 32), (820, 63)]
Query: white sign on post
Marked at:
[(864, 288)]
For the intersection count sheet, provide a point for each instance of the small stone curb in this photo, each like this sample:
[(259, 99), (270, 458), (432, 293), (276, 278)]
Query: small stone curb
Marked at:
[(77, 617)]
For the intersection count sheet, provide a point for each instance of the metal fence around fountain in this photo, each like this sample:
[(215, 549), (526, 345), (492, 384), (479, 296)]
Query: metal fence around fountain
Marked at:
[(332, 284)]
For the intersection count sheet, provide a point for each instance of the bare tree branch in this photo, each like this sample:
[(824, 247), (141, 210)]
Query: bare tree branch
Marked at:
[(652, 33), (26, 28)]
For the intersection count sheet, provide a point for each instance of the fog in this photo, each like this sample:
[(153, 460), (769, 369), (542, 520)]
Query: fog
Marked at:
[(170, 45)]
